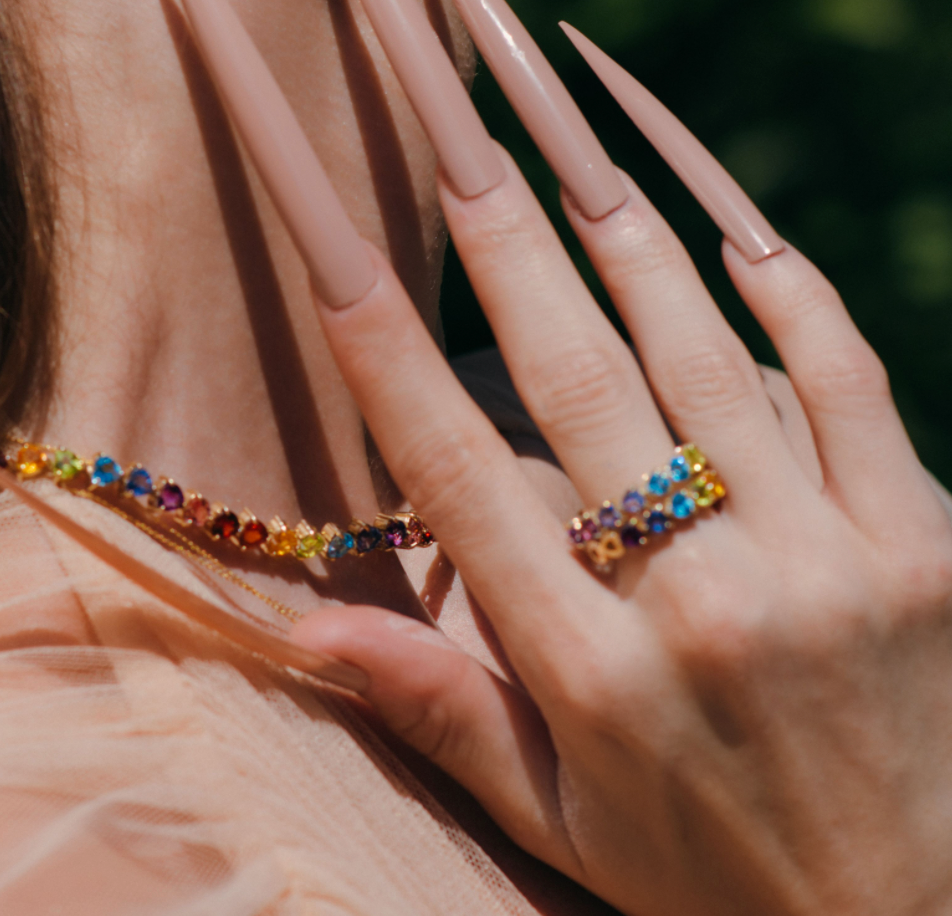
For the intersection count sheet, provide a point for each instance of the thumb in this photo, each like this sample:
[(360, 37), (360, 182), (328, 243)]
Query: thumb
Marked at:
[(483, 732)]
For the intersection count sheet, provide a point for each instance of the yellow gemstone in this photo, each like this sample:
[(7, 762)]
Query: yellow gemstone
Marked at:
[(310, 547), (309, 542), (32, 461), (708, 490), (694, 457), (282, 543)]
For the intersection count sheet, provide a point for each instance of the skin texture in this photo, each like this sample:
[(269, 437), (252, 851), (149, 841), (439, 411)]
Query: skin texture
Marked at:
[(189, 335), (749, 719), (187, 318)]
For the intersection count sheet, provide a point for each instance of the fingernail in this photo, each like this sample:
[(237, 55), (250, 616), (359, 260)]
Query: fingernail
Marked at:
[(343, 675), (435, 90), (725, 201), (341, 268), (545, 107)]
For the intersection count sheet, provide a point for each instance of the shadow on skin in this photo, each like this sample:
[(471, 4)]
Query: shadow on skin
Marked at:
[(378, 580), (441, 25), (389, 171)]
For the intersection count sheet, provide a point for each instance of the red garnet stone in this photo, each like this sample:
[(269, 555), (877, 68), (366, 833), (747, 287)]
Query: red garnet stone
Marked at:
[(224, 525)]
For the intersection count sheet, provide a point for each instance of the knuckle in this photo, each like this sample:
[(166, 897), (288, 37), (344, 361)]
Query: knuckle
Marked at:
[(716, 621), (713, 376), (439, 470), (922, 578), (432, 723), (853, 374), (583, 389), (432, 731), (717, 637), (596, 695), (500, 230), (647, 248), (805, 302)]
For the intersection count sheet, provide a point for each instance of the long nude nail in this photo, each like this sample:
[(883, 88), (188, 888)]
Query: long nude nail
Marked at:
[(438, 96), (340, 265), (725, 201), (545, 107)]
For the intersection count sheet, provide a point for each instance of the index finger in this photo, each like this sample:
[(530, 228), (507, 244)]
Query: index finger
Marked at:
[(452, 464)]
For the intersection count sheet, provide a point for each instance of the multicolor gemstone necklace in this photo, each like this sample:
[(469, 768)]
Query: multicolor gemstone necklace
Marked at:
[(165, 499)]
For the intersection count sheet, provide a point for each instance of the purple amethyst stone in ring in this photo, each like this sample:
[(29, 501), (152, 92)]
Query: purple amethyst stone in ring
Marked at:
[(633, 503), (631, 536)]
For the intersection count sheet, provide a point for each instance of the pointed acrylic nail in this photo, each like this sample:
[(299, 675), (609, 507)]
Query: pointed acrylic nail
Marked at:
[(340, 265), (733, 211), (545, 107), (435, 90)]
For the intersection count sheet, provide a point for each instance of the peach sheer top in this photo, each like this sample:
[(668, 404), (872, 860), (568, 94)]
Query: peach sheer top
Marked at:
[(151, 767)]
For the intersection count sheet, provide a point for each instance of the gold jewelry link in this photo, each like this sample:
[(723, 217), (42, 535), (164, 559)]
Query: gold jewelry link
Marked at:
[(195, 554)]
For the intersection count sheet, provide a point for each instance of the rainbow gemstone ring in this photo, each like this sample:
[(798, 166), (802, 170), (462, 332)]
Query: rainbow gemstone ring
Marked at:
[(666, 498)]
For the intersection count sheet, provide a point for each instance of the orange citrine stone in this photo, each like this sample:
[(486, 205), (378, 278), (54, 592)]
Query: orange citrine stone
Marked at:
[(32, 461)]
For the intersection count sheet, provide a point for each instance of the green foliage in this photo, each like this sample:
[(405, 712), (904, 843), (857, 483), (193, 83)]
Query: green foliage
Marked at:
[(836, 115)]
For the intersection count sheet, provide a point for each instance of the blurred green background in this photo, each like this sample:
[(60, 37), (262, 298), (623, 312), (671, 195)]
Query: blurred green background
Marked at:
[(835, 115)]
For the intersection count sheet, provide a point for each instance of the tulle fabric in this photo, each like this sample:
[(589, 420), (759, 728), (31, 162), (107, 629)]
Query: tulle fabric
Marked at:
[(149, 767)]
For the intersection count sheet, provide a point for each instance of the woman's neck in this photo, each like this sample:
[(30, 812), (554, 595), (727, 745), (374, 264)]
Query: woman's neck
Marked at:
[(187, 336), (188, 339)]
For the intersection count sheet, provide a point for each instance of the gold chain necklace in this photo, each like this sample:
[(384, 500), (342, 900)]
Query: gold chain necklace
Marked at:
[(164, 499), (194, 554)]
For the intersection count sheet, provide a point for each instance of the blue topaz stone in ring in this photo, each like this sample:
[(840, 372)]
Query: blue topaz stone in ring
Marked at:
[(659, 484), (680, 469), (658, 523), (683, 506), (106, 471)]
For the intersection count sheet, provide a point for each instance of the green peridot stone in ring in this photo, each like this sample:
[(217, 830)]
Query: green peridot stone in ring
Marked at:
[(66, 465), (694, 457)]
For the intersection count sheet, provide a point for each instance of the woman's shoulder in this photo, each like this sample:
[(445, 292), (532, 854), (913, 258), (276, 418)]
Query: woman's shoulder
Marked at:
[(38, 603)]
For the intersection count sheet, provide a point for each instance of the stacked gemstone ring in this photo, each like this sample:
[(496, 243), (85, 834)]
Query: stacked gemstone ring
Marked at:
[(666, 498)]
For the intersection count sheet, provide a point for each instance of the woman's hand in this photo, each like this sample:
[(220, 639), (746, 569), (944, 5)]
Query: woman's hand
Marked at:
[(750, 716)]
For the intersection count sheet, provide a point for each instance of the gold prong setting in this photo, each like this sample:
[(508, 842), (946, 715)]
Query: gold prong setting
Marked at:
[(166, 499)]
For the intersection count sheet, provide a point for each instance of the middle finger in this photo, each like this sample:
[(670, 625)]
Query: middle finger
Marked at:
[(575, 374)]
